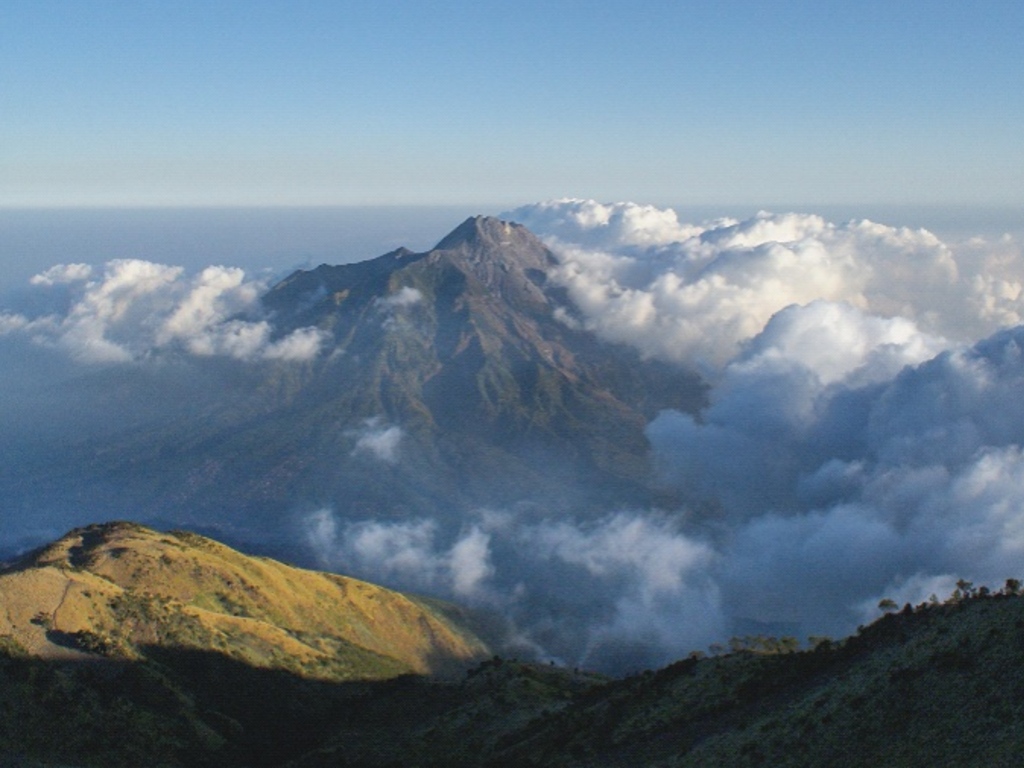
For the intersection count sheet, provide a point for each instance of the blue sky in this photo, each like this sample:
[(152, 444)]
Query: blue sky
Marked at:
[(495, 104)]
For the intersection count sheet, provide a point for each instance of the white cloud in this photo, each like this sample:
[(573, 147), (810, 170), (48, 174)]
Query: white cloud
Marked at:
[(11, 322), (403, 551), (908, 533), (378, 439), (213, 295), (855, 442), (584, 592), (321, 532), (654, 581), (659, 556), (756, 440), (697, 293), (136, 308), (588, 222), (407, 553), (395, 308), (470, 564), (837, 492), (62, 273), (300, 345), (404, 297)]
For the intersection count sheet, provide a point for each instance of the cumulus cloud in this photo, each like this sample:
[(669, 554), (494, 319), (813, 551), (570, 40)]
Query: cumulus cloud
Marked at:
[(655, 578), (859, 442), (300, 345), (759, 436), (377, 439), (62, 273), (404, 297), (696, 293), (469, 563), (628, 589), (395, 309), (586, 222), (407, 553), (863, 436), (907, 533), (135, 308), (843, 483), (11, 322)]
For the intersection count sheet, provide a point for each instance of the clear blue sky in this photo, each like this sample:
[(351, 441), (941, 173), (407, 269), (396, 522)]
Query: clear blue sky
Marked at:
[(498, 103)]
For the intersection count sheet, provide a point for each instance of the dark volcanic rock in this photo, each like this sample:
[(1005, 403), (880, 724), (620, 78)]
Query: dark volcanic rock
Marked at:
[(453, 363)]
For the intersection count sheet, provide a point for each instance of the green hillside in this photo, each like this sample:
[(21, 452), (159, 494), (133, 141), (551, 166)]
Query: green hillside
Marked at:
[(125, 646), (937, 686)]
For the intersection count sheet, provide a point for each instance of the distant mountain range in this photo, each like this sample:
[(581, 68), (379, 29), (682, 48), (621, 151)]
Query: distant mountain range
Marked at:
[(450, 380), (125, 646)]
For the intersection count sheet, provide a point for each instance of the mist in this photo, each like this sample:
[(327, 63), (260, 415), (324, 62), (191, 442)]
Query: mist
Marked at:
[(863, 437)]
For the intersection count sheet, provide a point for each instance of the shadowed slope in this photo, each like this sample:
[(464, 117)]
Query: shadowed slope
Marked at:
[(939, 684)]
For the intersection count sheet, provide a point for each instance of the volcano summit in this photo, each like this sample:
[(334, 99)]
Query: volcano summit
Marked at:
[(446, 381)]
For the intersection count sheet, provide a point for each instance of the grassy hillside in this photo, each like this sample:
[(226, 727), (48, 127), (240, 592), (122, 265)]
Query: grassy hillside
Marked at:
[(940, 685), (117, 589), (235, 661), (121, 645)]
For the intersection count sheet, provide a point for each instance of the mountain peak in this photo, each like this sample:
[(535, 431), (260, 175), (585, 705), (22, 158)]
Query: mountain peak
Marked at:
[(489, 247), (486, 231)]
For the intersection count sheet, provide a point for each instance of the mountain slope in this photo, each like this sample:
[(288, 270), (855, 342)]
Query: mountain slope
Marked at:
[(119, 590), (449, 380), (939, 684), (121, 645), (464, 349), (465, 342)]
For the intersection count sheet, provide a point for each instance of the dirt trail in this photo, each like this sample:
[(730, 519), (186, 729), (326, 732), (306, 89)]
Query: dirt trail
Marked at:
[(60, 604)]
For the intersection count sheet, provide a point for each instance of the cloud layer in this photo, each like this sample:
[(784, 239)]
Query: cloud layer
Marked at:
[(860, 441), (629, 589), (136, 308), (696, 292), (863, 438)]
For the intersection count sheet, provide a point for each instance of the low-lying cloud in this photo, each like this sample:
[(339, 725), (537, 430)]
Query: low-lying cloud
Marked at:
[(859, 441), (407, 553), (863, 437), (626, 589), (405, 296), (695, 293), (378, 439), (137, 308)]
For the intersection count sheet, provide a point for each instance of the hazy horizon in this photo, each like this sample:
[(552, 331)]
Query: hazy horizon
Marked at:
[(281, 238)]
